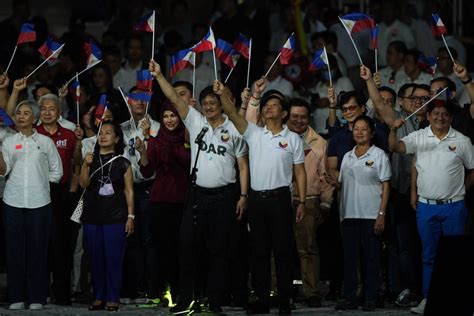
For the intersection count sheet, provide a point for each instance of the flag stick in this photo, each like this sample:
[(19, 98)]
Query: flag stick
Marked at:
[(426, 103), (49, 57), (447, 47), (228, 75), (153, 38), (82, 71), (146, 109), (376, 66), (352, 40), (215, 64), (194, 72), (11, 59), (248, 64), (77, 102), (329, 67), (273, 64), (129, 110)]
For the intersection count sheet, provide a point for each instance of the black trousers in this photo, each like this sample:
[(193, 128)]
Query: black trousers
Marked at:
[(271, 222), (210, 237), (165, 223), (60, 250)]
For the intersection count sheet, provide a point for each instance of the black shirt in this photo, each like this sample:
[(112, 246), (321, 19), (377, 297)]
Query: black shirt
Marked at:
[(112, 209)]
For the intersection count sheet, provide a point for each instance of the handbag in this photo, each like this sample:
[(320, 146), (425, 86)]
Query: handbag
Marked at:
[(76, 215)]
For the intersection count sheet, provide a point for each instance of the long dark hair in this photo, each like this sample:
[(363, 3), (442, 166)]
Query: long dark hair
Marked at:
[(119, 146)]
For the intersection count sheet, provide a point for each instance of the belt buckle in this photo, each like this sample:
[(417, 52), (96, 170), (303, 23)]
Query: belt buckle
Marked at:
[(440, 202), (264, 194)]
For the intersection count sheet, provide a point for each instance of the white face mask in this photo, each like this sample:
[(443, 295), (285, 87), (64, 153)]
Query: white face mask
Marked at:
[(106, 188)]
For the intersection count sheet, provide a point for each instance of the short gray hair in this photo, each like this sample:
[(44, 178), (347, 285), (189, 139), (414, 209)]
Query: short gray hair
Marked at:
[(34, 109), (50, 97)]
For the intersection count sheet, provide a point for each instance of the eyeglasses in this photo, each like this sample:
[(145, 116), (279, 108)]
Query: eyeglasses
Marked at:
[(351, 108), (131, 149), (421, 99)]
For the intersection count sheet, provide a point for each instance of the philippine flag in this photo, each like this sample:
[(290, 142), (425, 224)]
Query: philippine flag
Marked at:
[(242, 45), (27, 34), (226, 54), (93, 52), (320, 60), (438, 28), (356, 22), (427, 63), (75, 89), (139, 96), (207, 43), (146, 23), (49, 48), (286, 52), (374, 34), (181, 60), (144, 80), (7, 120), (100, 109)]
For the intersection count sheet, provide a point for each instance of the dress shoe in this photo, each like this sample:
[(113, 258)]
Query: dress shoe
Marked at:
[(97, 307), (112, 308)]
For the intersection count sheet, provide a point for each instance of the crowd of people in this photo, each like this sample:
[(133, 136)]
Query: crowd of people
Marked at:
[(226, 194)]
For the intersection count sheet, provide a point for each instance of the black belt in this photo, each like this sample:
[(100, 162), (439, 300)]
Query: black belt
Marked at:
[(211, 191), (270, 193)]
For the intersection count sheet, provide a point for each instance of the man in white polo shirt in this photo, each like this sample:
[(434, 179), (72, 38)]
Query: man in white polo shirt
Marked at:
[(442, 155), (215, 194), (274, 153)]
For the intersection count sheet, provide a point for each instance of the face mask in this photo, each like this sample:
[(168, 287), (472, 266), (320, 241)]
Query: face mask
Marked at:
[(325, 75), (106, 188)]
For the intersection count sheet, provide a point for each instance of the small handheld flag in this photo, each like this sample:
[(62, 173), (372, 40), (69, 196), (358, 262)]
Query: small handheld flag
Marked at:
[(226, 54), (6, 119), (206, 44), (144, 80), (374, 32), (146, 23), (76, 89), (181, 60), (50, 49), (27, 34), (242, 45), (427, 64), (356, 22), (93, 52), (101, 109), (139, 96), (438, 28), (286, 52), (321, 61)]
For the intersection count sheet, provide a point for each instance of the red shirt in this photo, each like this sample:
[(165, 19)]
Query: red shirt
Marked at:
[(65, 141)]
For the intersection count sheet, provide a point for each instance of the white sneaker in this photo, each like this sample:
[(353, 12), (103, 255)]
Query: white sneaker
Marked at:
[(420, 309), (17, 306), (36, 306)]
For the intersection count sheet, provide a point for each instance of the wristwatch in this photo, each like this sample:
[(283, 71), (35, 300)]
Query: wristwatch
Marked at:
[(381, 213), (131, 216)]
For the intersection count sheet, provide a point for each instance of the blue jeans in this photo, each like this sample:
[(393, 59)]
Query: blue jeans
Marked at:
[(27, 235), (106, 247), (433, 221)]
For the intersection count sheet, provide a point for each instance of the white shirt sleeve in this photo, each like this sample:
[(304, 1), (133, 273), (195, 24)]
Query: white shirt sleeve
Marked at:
[(298, 154), (193, 121), (250, 132), (7, 155), (384, 170), (54, 160), (468, 155), (410, 142), (240, 145)]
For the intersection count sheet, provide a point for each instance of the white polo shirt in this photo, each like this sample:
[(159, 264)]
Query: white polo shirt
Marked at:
[(32, 162), (129, 135), (272, 157), (361, 179), (221, 147), (440, 163)]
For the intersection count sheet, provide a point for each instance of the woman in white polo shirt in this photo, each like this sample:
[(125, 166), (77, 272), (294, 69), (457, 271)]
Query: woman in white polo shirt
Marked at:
[(364, 177), (31, 162)]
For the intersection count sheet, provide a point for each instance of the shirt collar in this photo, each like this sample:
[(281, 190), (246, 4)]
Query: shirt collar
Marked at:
[(282, 133), (226, 121), (33, 136), (368, 153), (448, 135)]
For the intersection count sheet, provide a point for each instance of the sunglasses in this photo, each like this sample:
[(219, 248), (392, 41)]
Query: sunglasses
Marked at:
[(351, 108), (416, 99)]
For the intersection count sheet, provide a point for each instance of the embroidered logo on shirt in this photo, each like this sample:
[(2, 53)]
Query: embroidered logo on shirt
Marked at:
[(225, 138), (18, 146), (283, 144), (61, 143), (452, 147), (369, 163)]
